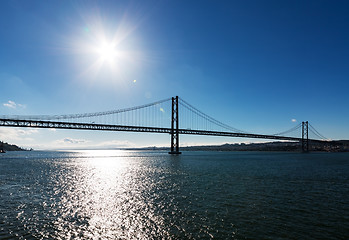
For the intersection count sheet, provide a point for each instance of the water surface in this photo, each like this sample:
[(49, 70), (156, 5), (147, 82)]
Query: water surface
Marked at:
[(118, 194)]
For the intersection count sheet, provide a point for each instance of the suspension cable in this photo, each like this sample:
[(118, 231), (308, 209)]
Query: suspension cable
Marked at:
[(288, 131), (84, 115), (207, 117), (313, 130)]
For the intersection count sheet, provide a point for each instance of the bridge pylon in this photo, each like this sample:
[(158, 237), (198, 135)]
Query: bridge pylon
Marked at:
[(174, 127), (305, 137)]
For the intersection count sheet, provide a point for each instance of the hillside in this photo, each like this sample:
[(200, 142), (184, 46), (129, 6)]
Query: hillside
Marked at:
[(331, 146), (9, 147)]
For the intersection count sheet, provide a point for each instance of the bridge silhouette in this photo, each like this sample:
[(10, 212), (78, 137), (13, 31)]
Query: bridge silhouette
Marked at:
[(159, 117)]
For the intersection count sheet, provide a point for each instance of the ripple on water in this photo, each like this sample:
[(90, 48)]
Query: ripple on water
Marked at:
[(149, 195)]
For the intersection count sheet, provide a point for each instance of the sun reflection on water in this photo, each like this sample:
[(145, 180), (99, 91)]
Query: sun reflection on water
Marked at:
[(103, 196)]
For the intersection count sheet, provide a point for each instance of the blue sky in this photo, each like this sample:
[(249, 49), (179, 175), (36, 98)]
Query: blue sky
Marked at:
[(254, 65)]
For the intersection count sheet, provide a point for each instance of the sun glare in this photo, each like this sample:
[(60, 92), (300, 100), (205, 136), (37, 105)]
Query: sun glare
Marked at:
[(106, 52)]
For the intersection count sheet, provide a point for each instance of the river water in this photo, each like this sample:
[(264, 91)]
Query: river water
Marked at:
[(116, 194)]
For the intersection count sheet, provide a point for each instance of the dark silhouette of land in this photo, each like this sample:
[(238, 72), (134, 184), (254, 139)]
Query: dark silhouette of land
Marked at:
[(4, 147), (330, 146), (326, 146)]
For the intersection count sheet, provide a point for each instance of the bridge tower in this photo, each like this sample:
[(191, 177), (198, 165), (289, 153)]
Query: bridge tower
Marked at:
[(305, 137), (174, 127)]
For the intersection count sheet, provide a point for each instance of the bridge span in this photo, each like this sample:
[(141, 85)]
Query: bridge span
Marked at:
[(173, 130)]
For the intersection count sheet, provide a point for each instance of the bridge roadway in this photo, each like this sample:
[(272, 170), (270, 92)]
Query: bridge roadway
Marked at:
[(105, 127)]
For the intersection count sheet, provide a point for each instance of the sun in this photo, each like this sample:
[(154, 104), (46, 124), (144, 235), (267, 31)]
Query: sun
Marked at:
[(106, 52)]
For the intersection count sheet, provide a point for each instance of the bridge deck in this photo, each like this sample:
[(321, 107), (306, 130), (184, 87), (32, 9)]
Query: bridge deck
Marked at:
[(106, 127)]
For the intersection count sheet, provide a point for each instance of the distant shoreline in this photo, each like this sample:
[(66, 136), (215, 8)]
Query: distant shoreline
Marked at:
[(4, 146), (332, 146)]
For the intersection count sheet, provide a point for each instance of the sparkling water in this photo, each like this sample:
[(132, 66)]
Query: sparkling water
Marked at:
[(116, 194)]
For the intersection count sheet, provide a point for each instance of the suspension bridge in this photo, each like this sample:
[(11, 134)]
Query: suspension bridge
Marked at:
[(159, 117)]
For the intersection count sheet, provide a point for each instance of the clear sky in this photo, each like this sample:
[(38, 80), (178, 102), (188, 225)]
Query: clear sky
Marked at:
[(254, 65)]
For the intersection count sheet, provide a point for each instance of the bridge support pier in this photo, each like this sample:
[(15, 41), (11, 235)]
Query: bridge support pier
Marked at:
[(305, 137), (174, 127)]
